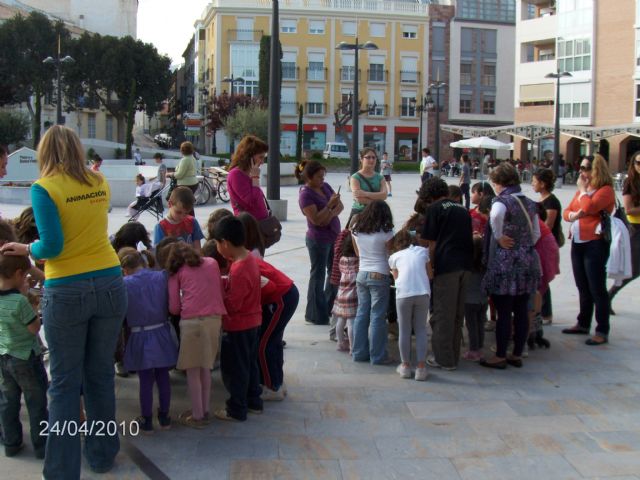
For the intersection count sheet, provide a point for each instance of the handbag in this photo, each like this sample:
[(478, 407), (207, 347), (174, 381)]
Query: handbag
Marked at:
[(621, 214), (561, 238), (605, 226), (270, 227)]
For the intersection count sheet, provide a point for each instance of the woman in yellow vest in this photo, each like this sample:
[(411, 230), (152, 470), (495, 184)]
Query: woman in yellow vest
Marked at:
[(83, 304)]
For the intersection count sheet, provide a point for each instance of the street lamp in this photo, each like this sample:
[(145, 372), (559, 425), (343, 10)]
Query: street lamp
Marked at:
[(205, 95), (57, 62), (232, 81), (436, 86), (421, 107), (556, 128), (355, 104)]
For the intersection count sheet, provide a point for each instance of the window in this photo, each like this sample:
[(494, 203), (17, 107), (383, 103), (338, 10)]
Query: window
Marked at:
[(637, 52), (465, 105), (289, 70), (109, 128), (409, 31), (437, 33), (316, 27), (245, 29), (345, 102), (91, 125), (376, 102), (466, 74), (638, 100), (489, 107), (574, 55), (348, 70), (349, 28), (315, 71), (244, 61), (489, 10), (288, 26), (288, 104), (376, 68), (489, 75), (377, 29), (408, 106), (315, 101), (575, 110), (409, 70)]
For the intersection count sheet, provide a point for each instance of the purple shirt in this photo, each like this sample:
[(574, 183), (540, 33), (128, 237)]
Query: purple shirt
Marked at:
[(328, 233)]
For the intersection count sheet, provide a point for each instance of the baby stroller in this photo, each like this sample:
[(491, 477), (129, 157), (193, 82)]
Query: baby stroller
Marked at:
[(152, 204)]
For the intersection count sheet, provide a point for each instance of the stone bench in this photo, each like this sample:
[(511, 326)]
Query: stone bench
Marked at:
[(287, 175)]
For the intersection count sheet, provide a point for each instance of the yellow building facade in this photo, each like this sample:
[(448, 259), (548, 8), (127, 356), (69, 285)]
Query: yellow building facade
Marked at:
[(319, 77)]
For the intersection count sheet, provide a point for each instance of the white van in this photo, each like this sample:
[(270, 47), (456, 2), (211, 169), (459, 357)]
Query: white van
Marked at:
[(336, 150)]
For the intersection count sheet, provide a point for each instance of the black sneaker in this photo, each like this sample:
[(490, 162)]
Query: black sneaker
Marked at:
[(12, 451), (145, 424), (164, 420)]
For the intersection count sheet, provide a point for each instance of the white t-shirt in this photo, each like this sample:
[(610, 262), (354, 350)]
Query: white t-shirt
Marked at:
[(411, 264), (373, 251), (427, 164)]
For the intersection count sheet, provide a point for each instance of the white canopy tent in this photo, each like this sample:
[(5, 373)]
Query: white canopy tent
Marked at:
[(485, 143)]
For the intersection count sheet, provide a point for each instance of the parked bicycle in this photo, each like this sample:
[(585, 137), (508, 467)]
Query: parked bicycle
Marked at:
[(213, 182)]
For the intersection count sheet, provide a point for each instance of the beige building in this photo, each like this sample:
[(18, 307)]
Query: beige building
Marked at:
[(600, 102)]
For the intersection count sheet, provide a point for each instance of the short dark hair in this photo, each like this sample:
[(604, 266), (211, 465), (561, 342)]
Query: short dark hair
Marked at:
[(129, 235), (210, 249), (546, 176), (184, 196), (311, 167), (158, 155), (214, 218), (433, 189), (186, 148), (455, 192), (426, 150), (484, 188), (505, 174), (10, 264), (464, 158), (230, 229)]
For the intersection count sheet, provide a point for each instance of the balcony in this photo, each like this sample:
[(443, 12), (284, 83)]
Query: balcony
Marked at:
[(386, 7), (248, 36), (289, 108), (377, 76), (290, 73), (536, 29), (316, 109), (348, 74), (534, 72), (376, 110), (408, 76), (407, 111), (316, 74)]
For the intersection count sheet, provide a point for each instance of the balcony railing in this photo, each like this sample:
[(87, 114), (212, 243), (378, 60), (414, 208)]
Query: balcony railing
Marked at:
[(489, 80), (348, 74), (408, 76), (316, 74), (289, 108), (377, 76), (376, 110), (290, 73), (251, 36), (385, 7), (407, 111), (316, 108)]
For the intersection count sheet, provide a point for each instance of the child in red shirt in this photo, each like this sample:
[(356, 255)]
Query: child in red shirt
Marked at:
[(241, 325)]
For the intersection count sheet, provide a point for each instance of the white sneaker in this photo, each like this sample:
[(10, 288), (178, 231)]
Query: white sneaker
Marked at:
[(269, 395), (403, 371), (525, 351), (421, 374), (431, 361)]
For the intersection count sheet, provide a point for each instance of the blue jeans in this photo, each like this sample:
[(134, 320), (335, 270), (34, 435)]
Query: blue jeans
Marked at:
[(82, 321), (319, 292), (370, 324), (23, 377)]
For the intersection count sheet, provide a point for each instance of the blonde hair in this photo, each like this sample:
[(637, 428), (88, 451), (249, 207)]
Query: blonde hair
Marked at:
[(60, 152), (600, 175)]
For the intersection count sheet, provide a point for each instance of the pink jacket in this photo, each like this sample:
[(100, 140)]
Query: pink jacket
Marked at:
[(244, 196), (197, 291)]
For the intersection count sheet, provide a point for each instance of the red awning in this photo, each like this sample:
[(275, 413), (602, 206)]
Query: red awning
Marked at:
[(375, 129), (315, 127), (346, 128), (415, 130), (289, 127)]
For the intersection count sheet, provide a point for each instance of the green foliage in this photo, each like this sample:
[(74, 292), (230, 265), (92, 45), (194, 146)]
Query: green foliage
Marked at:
[(24, 43), (250, 120), (264, 62), (90, 154), (119, 153), (14, 128), (299, 135)]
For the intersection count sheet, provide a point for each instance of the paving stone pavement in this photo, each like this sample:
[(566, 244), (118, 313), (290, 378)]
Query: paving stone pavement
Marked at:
[(572, 412)]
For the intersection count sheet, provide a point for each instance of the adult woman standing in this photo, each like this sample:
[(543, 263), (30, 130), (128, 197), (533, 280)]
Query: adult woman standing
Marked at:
[(543, 182), (589, 250), (367, 185), (322, 206), (631, 203), (187, 170), (83, 304), (513, 267), (243, 181)]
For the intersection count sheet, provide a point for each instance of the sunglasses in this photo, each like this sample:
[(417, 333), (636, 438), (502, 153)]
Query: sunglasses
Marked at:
[(636, 163), (585, 168), (370, 157)]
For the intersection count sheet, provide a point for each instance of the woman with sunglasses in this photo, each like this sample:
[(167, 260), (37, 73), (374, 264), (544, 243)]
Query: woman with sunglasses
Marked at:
[(366, 184), (631, 203), (589, 250)]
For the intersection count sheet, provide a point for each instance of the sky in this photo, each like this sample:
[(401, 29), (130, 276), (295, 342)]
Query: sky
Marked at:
[(168, 24)]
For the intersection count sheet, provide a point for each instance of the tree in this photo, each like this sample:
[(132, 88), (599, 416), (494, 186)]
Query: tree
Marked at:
[(299, 135), (264, 63), (124, 75), (221, 107), (343, 116), (14, 128), (251, 120), (24, 43)]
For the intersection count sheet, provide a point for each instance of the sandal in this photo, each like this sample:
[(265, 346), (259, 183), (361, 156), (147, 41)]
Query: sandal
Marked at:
[(576, 330), (593, 342), (501, 365)]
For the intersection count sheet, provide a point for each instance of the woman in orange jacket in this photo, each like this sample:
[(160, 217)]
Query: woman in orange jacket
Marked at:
[(589, 249)]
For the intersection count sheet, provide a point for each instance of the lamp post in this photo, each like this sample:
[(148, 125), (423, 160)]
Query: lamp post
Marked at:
[(205, 95), (556, 127), (232, 81), (57, 62), (420, 107), (355, 104), (273, 166), (436, 86)]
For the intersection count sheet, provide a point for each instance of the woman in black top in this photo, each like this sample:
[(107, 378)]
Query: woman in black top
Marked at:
[(631, 203), (543, 182)]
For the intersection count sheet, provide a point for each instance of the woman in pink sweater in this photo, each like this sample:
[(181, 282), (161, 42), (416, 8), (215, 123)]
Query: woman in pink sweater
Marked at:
[(195, 293), (243, 181)]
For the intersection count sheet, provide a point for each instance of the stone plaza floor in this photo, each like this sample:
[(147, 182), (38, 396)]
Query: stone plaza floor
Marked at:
[(572, 412)]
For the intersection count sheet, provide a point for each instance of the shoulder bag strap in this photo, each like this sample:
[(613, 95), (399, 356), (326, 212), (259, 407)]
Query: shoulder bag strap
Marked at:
[(526, 214), (360, 177)]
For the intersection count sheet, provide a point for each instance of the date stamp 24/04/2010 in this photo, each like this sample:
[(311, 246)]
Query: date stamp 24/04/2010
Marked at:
[(97, 428)]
